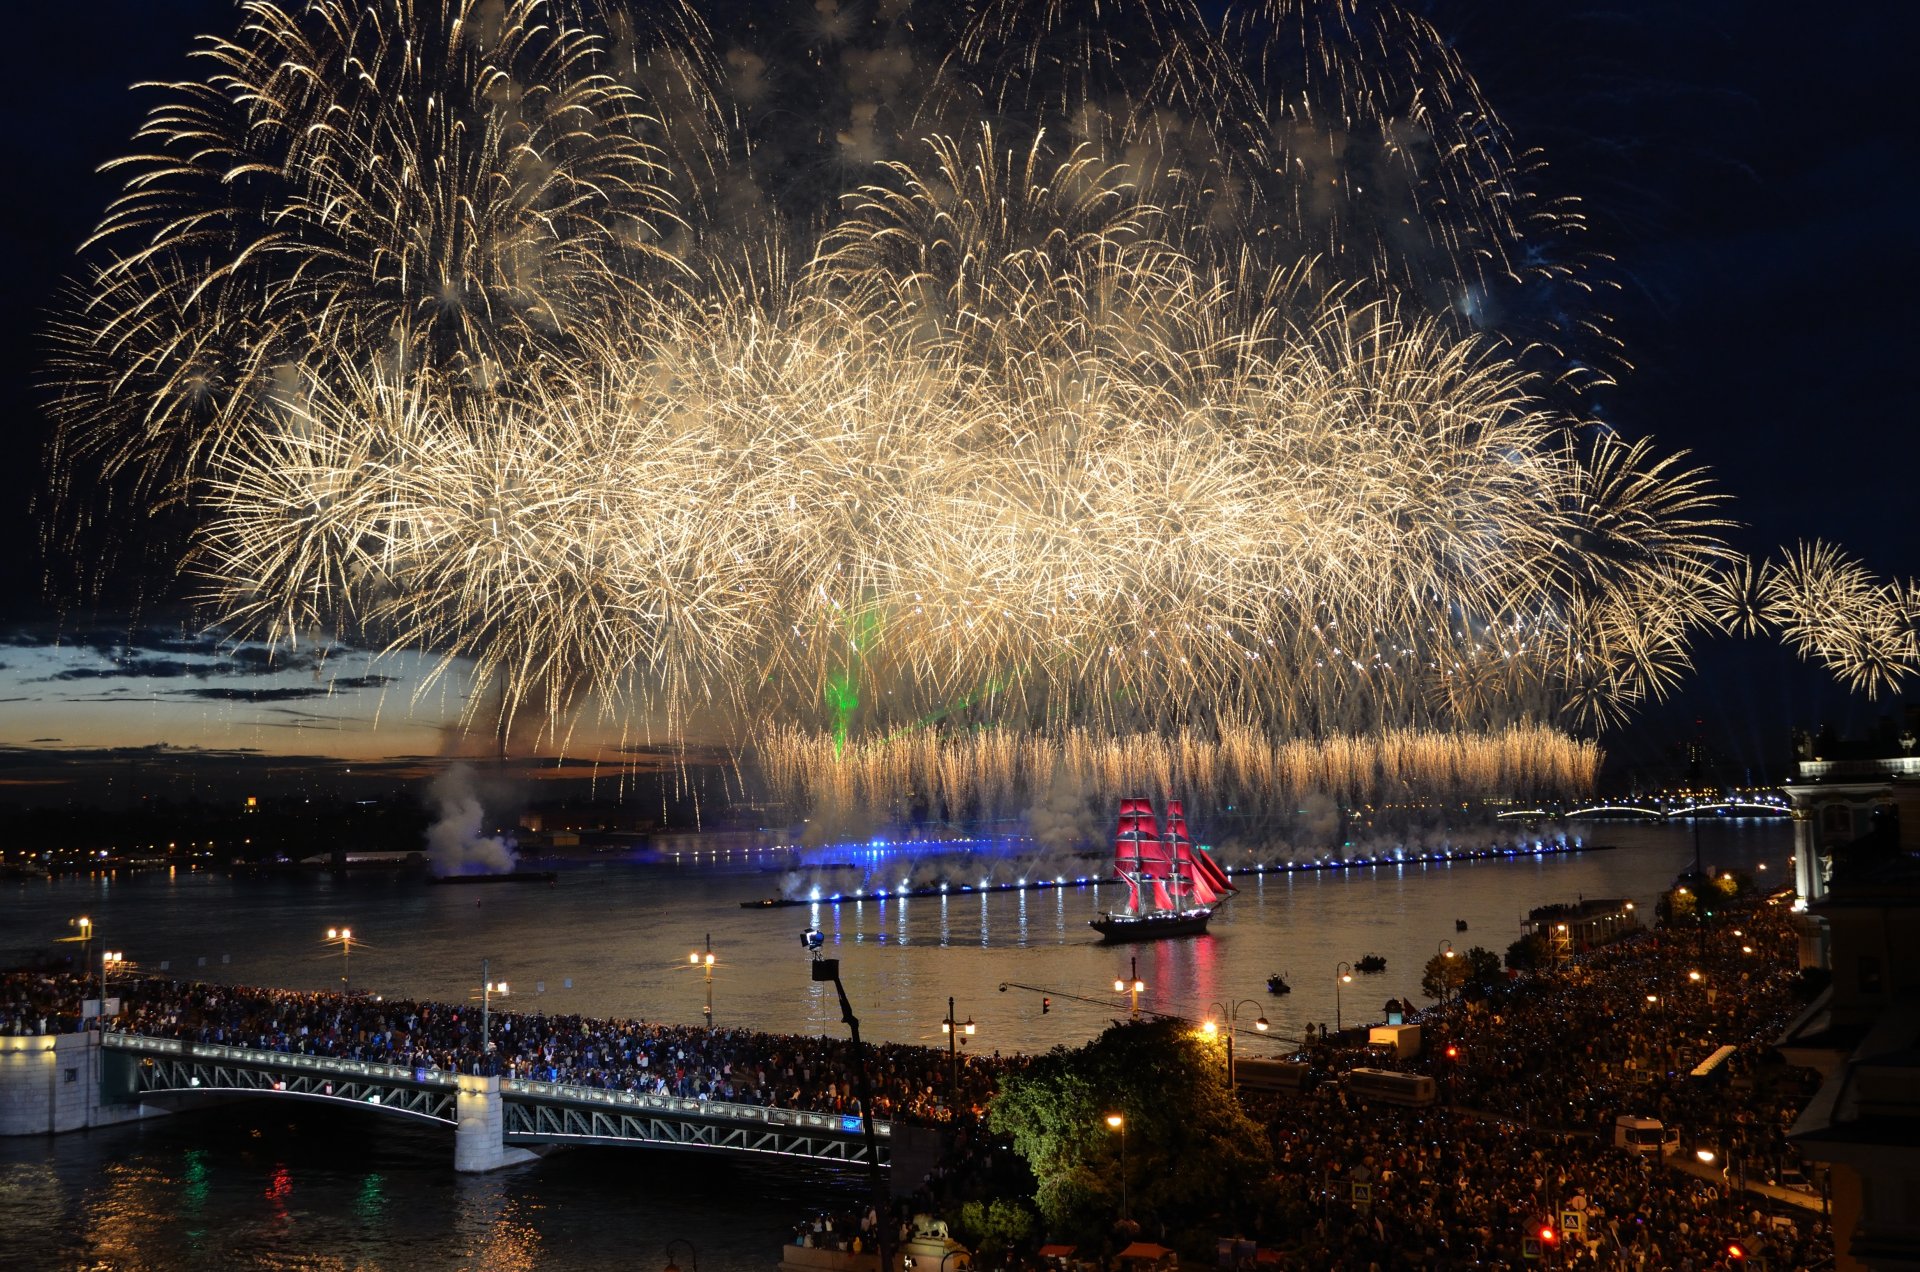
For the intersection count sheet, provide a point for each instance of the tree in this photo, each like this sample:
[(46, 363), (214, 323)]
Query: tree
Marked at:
[(1443, 976), (1191, 1151), (1483, 968), (997, 1226), (1528, 953)]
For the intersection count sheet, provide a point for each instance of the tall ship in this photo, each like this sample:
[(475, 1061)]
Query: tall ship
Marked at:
[(1173, 888)]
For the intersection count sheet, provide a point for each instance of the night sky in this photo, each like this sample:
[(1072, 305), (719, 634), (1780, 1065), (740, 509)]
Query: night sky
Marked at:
[(1749, 166)]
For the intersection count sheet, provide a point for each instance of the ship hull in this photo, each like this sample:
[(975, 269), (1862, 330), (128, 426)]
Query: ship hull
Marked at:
[(1115, 928)]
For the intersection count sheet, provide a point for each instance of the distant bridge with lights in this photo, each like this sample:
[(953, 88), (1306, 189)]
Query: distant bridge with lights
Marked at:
[(1650, 812), (496, 1121)]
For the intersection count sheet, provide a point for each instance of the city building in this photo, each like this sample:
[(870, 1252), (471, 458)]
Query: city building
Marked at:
[(1583, 924), (1857, 867), (1848, 797)]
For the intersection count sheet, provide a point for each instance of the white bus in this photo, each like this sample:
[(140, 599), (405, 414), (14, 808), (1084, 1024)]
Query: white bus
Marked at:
[(1271, 1075), (1390, 1087)]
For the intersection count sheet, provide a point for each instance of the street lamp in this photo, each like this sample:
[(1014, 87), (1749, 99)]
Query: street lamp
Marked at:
[(1230, 1010), (110, 960), (488, 988), (1446, 951), (344, 938), (1342, 975), (84, 926), (953, 1028), (692, 1254), (828, 969), (1133, 984), (1115, 1122), (696, 959)]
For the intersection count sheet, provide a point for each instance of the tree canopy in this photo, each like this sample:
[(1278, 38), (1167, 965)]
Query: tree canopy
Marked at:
[(1193, 1157)]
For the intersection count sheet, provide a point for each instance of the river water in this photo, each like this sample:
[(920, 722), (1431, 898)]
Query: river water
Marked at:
[(282, 1185)]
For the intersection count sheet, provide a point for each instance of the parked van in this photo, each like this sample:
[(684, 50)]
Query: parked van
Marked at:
[(1402, 1042), (1644, 1135), (1389, 1087)]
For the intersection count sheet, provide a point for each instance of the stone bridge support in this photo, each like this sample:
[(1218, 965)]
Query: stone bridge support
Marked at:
[(51, 1083), (480, 1131)]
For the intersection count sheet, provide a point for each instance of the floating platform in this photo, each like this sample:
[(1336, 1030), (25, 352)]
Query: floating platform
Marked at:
[(511, 876), (1278, 867)]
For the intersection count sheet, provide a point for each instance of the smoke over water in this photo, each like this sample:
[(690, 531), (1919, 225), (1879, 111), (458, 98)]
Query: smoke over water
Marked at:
[(455, 844)]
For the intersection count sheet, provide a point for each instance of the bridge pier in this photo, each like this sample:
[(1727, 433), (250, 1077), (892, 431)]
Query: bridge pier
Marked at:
[(51, 1083), (480, 1131)]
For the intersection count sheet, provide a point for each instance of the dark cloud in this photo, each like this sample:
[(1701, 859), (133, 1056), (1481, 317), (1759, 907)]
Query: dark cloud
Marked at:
[(153, 652), (135, 669), (285, 693)]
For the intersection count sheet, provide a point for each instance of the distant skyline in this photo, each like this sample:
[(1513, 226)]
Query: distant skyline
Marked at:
[(1749, 167)]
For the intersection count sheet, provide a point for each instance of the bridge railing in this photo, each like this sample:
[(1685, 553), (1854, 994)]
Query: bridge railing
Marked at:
[(757, 1114), (147, 1044)]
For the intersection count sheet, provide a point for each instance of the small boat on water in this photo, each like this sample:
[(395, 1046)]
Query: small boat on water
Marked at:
[(1370, 965), (1173, 887), (1459, 925), (1276, 984)]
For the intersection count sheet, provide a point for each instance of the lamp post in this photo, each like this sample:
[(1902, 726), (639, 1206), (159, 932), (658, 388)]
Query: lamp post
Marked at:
[(696, 959), (84, 926), (1342, 975), (1116, 1122), (488, 988), (952, 1028), (692, 1254), (344, 937), (109, 959), (1446, 979), (1230, 1010), (828, 969), (1131, 985), (1698, 871)]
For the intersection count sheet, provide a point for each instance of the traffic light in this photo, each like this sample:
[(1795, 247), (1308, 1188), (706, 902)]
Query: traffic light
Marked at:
[(1453, 1052), (1736, 1251), (1046, 1004), (1548, 1237)]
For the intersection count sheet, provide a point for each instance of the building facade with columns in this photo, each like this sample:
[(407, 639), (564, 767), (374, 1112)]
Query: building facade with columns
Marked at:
[(1843, 794), (1856, 811)]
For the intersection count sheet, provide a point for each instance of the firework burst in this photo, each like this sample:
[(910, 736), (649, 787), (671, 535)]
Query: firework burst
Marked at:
[(1130, 425)]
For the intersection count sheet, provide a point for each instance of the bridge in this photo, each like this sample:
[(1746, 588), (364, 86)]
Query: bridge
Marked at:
[(496, 1121), (1733, 807)]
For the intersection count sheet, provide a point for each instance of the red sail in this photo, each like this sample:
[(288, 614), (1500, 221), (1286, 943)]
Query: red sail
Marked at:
[(1180, 878), (1138, 840), (1139, 856), (1211, 882)]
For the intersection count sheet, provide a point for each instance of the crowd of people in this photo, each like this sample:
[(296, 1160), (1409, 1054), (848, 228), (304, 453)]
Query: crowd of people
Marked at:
[(1521, 1140), (736, 1066)]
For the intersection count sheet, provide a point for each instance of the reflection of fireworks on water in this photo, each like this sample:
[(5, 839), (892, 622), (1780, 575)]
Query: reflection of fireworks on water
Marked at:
[(475, 327)]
